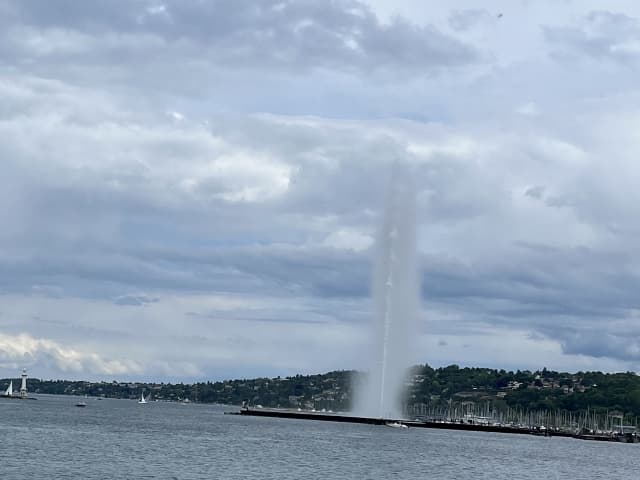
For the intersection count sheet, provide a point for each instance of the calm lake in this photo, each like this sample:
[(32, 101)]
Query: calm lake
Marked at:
[(51, 438)]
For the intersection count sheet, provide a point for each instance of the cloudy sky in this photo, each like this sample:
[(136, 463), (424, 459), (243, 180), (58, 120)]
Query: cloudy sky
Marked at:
[(191, 189)]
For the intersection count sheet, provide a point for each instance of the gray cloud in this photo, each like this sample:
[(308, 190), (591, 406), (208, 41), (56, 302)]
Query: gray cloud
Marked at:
[(135, 176), (600, 35), (134, 300), (461, 20), (151, 235), (595, 343), (535, 192), (342, 36)]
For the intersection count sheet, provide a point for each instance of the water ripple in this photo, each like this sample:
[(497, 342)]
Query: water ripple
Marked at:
[(51, 438)]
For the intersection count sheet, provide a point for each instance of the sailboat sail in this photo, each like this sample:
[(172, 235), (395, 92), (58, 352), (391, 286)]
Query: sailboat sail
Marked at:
[(142, 399), (9, 390)]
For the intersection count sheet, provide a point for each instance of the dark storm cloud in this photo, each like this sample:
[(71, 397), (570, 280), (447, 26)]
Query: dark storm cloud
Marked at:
[(341, 35)]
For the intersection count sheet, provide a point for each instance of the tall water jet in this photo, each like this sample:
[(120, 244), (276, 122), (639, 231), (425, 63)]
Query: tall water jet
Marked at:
[(395, 288)]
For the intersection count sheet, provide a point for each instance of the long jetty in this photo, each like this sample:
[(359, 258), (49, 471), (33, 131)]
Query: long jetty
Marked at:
[(338, 417), (441, 425)]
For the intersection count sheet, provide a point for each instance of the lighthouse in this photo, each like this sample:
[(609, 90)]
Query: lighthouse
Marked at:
[(23, 386)]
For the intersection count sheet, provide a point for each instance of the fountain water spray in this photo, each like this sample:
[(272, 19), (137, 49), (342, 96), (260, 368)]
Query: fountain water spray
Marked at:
[(395, 293)]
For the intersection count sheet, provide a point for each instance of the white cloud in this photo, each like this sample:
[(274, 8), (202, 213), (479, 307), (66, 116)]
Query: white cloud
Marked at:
[(177, 116), (349, 239), (17, 351)]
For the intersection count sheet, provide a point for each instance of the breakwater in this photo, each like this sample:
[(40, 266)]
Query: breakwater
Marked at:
[(441, 425), (338, 417)]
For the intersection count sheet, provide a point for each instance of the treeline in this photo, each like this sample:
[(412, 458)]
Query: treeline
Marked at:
[(264, 391), (525, 390), (620, 391), (529, 391)]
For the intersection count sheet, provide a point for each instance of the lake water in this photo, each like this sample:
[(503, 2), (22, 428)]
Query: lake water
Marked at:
[(52, 439)]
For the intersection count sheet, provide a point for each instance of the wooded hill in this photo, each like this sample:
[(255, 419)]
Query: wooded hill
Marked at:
[(426, 386)]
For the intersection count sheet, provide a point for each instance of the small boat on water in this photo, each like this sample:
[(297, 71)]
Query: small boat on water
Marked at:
[(142, 399), (81, 404), (9, 391), (396, 425)]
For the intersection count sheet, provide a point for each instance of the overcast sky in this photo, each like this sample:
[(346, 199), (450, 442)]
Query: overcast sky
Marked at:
[(191, 189)]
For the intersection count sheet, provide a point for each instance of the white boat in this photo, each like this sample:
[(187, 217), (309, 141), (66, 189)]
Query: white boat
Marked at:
[(142, 399), (9, 391), (396, 425)]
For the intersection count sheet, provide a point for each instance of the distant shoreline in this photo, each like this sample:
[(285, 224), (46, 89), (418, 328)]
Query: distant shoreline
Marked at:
[(593, 397)]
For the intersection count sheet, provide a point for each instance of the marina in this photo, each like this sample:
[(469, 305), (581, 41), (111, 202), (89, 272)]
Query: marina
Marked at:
[(622, 435)]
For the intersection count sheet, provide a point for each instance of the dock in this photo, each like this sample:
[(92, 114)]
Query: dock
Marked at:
[(440, 425), (346, 418)]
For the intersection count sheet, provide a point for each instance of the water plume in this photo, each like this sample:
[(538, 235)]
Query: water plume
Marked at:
[(395, 290)]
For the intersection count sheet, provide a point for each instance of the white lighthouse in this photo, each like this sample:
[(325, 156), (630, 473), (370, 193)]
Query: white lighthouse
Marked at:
[(23, 386)]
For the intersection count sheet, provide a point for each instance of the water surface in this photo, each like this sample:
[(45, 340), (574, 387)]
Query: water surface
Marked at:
[(52, 439)]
